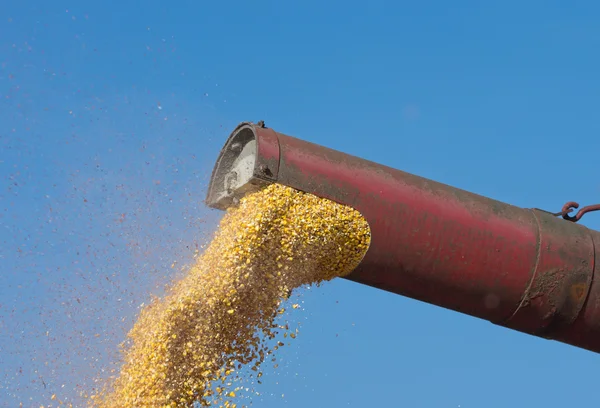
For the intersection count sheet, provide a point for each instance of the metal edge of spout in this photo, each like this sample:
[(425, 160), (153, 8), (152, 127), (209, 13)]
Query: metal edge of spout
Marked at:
[(248, 161)]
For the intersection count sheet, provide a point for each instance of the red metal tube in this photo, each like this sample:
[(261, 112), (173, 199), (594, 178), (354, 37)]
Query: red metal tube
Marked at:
[(520, 268)]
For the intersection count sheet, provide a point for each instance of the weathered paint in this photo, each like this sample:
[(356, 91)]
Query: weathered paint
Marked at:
[(520, 268)]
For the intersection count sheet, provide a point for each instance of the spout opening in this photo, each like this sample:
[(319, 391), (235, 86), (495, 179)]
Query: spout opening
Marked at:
[(235, 172)]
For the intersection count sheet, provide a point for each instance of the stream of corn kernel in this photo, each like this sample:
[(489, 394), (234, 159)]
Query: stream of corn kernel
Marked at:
[(189, 348)]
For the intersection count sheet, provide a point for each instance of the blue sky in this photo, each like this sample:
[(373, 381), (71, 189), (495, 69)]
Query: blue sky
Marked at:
[(112, 114)]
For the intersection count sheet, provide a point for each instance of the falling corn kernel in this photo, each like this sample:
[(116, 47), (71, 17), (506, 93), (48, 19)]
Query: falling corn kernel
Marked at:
[(272, 242)]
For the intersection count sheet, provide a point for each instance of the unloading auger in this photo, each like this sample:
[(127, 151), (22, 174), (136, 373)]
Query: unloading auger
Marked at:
[(526, 269)]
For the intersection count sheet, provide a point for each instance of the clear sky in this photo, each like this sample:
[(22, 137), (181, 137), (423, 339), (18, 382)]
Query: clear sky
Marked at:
[(112, 114)]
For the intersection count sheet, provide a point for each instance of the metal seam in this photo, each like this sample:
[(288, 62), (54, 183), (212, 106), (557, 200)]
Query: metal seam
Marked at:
[(535, 270), (592, 279)]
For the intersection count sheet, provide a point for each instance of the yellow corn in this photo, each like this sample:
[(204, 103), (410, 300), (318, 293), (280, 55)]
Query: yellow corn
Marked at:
[(221, 314)]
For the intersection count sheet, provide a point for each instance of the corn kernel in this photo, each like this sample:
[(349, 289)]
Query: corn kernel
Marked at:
[(274, 241)]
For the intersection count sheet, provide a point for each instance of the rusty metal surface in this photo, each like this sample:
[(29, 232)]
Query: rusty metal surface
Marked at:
[(520, 268), (430, 242), (585, 330), (562, 279), (267, 163)]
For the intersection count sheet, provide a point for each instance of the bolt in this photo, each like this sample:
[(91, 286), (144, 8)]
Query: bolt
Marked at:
[(264, 169)]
